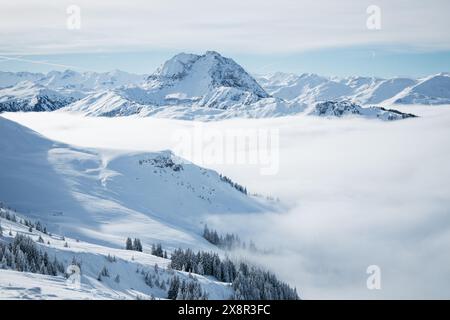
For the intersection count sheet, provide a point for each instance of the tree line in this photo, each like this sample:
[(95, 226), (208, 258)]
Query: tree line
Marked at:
[(185, 290), (135, 244), (22, 254), (249, 282), (235, 185)]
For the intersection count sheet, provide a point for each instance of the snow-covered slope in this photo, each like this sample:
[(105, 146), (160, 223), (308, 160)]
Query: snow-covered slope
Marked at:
[(25, 91), (90, 81), (431, 90), (346, 108), (72, 80), (103, 196), (8, 79), (272, 82), (130, 274), (328, 90), (105, 103), (359, 83), (308, 88), (29, 96), (112, 103), (383, 90)]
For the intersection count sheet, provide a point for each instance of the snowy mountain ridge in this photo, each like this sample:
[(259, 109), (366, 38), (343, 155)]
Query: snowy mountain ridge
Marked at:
[(210, 87), (82, 81), (307, 88), (189, 86), (29, 96)]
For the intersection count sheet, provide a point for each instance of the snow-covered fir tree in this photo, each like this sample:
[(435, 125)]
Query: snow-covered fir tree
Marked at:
[(22, 254), (249, 282), (157, 250), (137, 246), (129, 244)]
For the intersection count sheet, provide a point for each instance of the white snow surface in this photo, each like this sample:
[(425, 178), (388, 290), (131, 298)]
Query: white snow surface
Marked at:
[(307, 88), (72, 80), (128, 266), (104, 196), (29, 96)]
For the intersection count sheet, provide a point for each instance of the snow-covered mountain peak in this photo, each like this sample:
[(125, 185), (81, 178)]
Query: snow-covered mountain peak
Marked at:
[(198, 75), (176, 67)]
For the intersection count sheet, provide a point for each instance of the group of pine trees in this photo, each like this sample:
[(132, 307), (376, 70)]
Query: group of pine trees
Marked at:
[(158, 251), (229, 241), (133, 244), (249, 282), (185, 290), (152, 279), (6, 213), (253, 283), (22, 254), (163, 162), (235, 185)]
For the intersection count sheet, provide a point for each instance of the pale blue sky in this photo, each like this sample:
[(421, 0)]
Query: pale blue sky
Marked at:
[(380, 62)]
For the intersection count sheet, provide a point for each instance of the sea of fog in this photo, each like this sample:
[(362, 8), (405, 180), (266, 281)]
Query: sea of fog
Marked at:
[(355, 192)]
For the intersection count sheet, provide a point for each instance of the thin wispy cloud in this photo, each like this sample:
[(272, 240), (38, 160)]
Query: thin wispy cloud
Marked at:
[(282, 26), (58, 65)]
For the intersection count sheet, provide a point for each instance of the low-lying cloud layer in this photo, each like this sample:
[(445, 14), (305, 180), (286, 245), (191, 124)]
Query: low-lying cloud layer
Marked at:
[(358, 193)]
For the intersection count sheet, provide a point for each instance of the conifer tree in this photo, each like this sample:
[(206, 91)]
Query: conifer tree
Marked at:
[(137, 246), (129, 244), (172, 293)]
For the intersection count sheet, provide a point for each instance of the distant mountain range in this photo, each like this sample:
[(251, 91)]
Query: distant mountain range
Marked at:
[(307, 88), (209, 87)]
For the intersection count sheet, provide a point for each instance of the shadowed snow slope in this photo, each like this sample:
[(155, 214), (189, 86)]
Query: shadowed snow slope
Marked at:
[(101, 196)]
